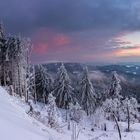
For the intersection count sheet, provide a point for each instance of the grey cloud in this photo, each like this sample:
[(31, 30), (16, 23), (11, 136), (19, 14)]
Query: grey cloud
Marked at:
[(70, 15)]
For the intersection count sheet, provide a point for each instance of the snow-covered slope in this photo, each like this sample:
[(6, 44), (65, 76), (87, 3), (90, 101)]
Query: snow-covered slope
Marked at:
[(15, 124)]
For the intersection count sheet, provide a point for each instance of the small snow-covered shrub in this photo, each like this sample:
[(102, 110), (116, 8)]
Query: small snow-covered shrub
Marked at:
[(98, 119), (76, 113), (50, 115)]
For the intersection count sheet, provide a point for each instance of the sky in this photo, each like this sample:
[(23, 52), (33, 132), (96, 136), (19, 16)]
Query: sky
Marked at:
[(76, 30)]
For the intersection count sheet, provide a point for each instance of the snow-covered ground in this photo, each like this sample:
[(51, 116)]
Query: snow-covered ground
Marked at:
[(15, 124)]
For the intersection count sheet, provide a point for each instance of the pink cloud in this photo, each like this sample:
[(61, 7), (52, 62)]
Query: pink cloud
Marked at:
[(41, 48), (61, 39), (46, 41)]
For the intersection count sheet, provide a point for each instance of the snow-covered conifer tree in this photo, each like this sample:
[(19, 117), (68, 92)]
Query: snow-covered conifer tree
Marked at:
[(113, 102), (49, 86), (1, 31), (1, 54), (87, 94), (53, 114), (43, 83), (63, 90), (115, 87), (31, 89)]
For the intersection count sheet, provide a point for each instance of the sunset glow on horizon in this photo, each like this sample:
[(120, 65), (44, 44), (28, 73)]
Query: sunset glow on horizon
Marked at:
[(129, 52), (130, 45), (133, 38)]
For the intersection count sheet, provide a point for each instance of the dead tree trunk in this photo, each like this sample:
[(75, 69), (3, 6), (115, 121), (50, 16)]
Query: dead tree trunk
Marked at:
[(128, 119), (118, 128), (74, 137)]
